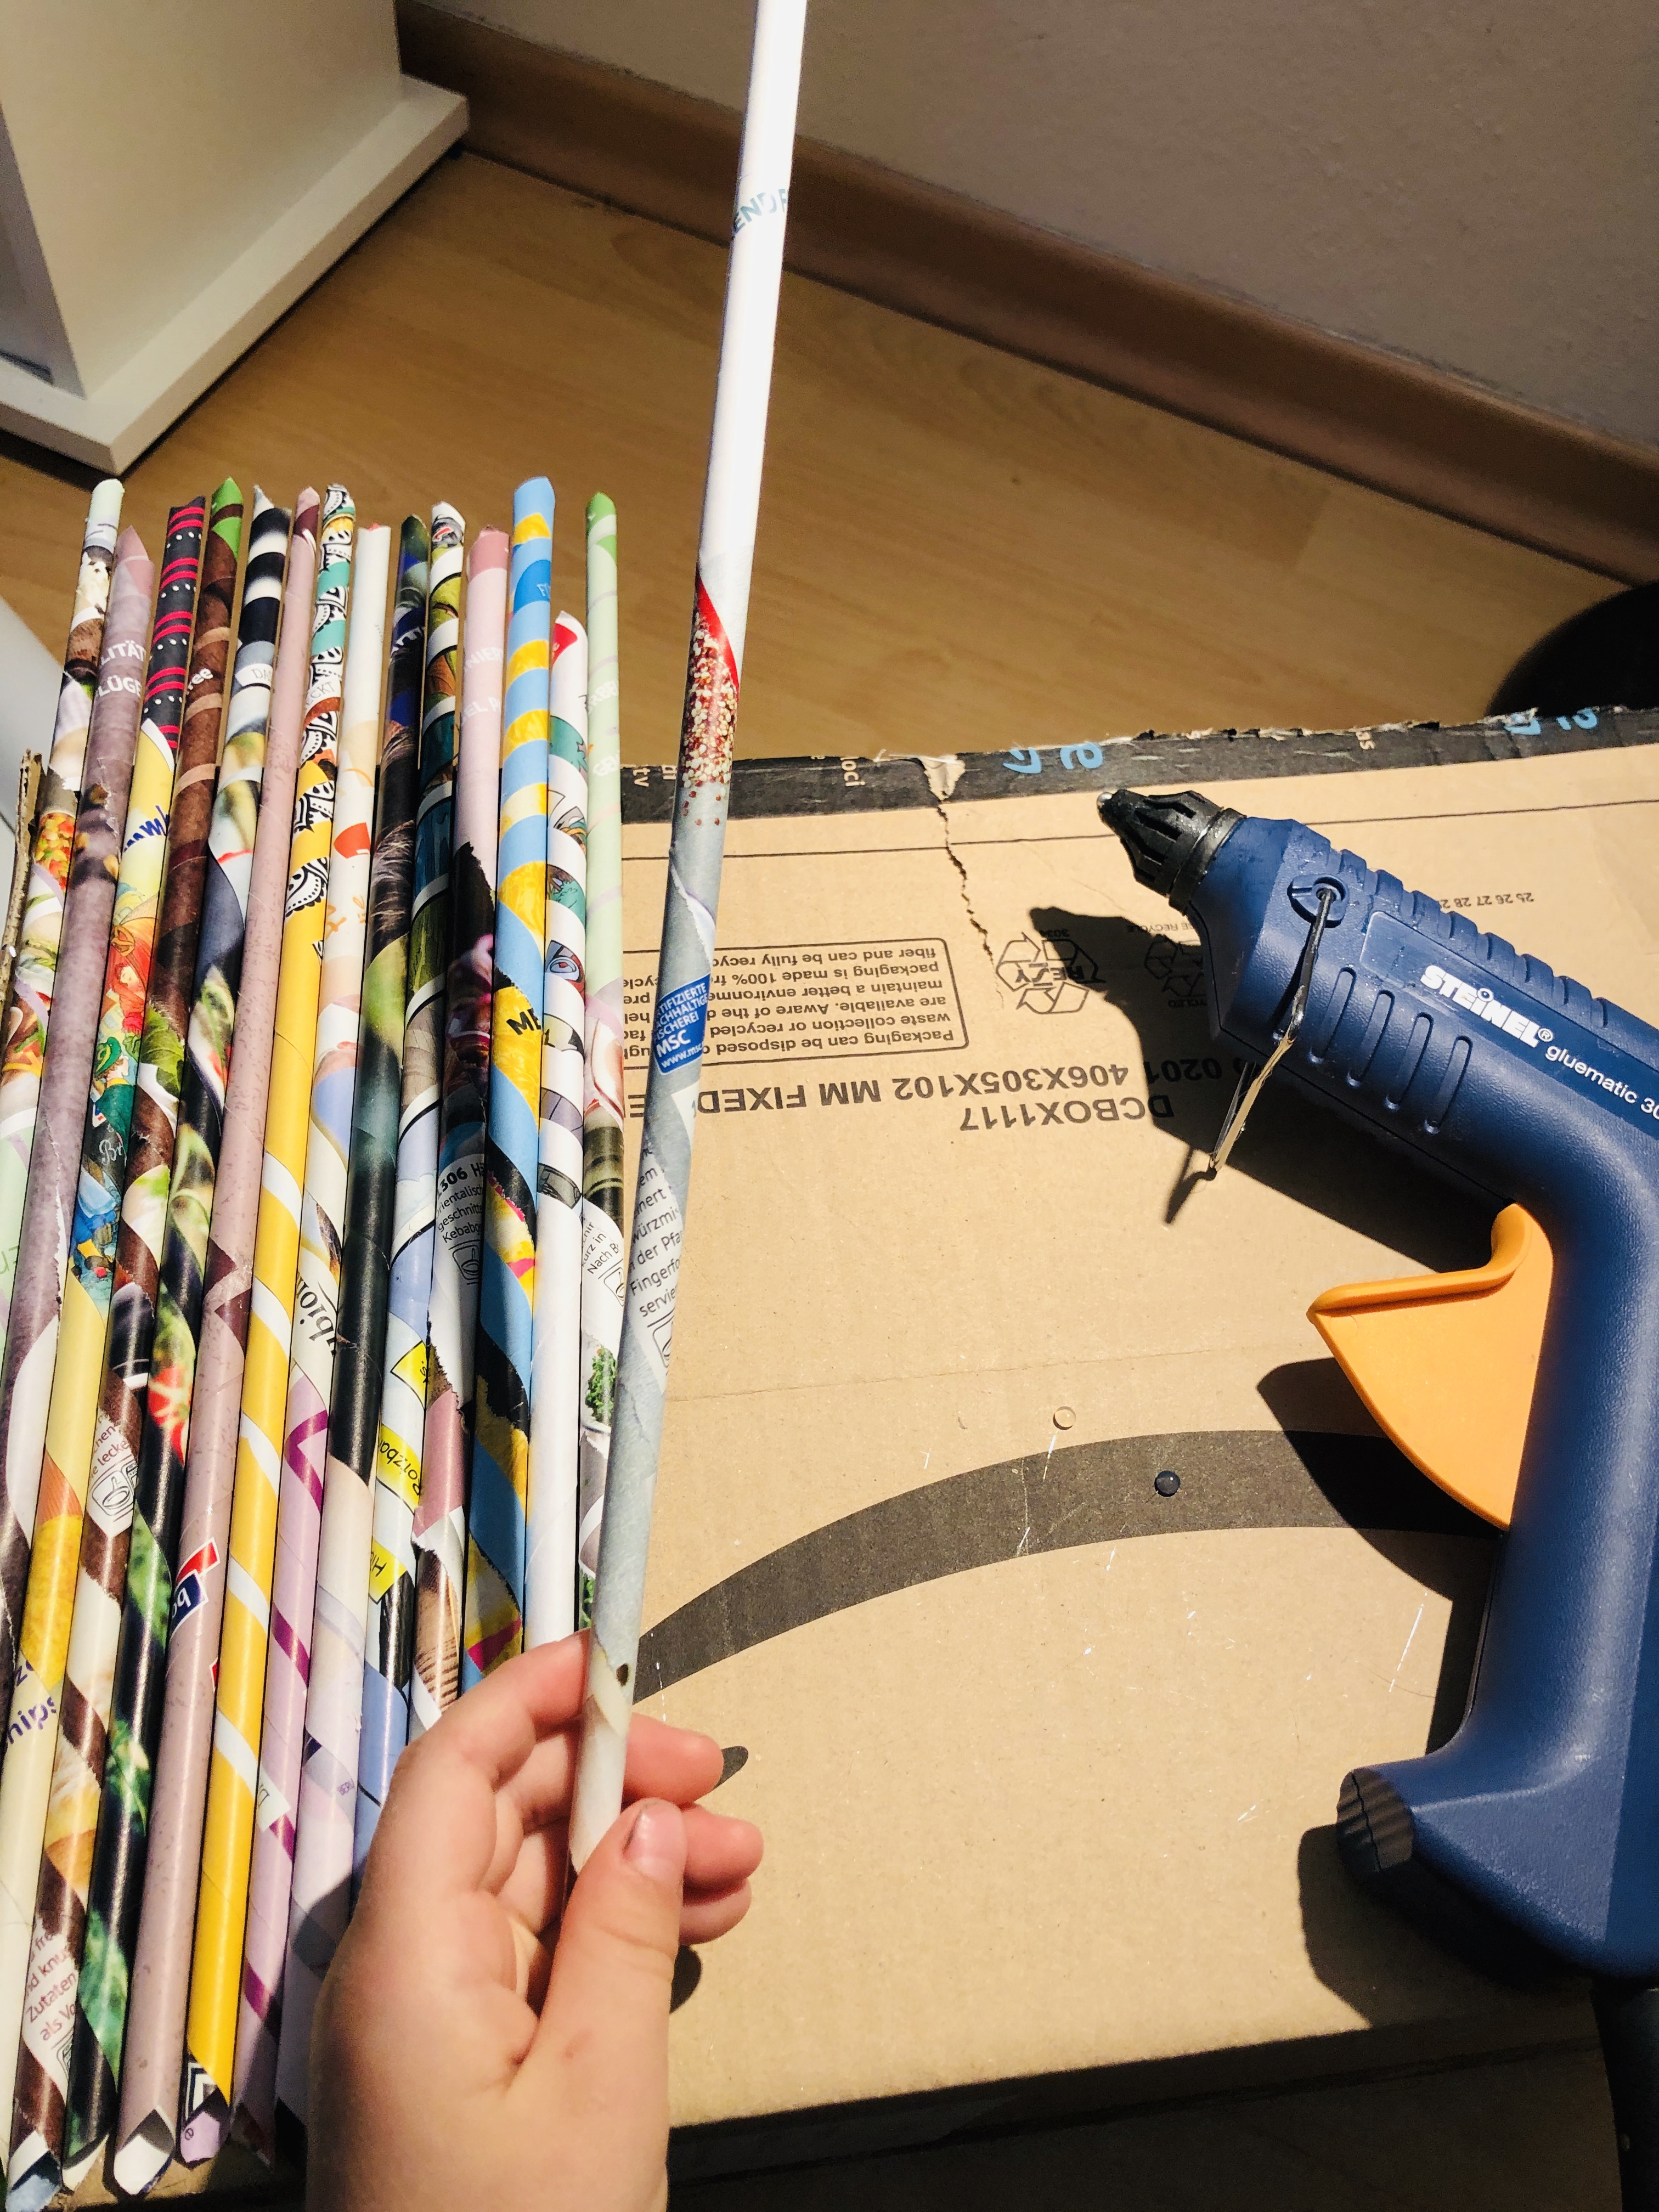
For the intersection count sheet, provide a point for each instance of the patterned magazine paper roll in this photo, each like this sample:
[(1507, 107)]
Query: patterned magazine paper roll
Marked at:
[(311, 1366), (719, 616), (31, 1344), (31, 774), (438, 1533), (389, 1651), (550, 1555), (494, 1627), (114, 1890), (307, 688), (185, 1314), (328, 1780), (75, 1066), (29, 996), (605, 1101)]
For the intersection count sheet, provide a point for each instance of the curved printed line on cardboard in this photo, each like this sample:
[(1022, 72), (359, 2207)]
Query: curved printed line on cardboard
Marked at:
[(1094, 1493)]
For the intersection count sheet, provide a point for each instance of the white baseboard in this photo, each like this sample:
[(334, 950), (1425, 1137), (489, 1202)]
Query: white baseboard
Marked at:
[(109, 427)]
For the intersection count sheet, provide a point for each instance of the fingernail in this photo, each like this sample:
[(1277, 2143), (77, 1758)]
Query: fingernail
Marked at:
[(656, 1842)]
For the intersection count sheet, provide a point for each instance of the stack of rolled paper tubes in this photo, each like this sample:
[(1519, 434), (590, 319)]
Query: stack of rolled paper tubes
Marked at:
[(311, 1168)]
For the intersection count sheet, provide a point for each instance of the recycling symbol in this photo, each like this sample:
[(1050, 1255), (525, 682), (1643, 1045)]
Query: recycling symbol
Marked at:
[(1178, 971), (1050, 976)]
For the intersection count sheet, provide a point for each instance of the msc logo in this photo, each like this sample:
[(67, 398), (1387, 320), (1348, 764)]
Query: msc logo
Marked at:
[(1485, 1008), (190, 1588)]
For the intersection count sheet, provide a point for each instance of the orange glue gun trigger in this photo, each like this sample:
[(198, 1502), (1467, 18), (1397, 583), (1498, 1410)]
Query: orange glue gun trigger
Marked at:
[(1446, 1364)]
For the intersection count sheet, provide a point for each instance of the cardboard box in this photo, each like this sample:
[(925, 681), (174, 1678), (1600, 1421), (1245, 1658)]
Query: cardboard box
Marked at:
[(1047, 1761)]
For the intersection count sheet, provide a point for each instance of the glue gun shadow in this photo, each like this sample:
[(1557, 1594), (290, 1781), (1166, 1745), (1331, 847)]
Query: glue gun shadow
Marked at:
[(1290, 1143)]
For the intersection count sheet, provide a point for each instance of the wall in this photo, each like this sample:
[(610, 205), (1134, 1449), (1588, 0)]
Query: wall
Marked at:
[(19, 332), (1476, 185)]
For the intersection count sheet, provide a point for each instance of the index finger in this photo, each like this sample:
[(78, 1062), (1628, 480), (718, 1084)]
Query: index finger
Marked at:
[(500, 1766), (439, 1826)]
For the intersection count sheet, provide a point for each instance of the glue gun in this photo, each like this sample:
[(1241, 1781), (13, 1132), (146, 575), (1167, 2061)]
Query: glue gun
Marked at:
[(1529, 1388)]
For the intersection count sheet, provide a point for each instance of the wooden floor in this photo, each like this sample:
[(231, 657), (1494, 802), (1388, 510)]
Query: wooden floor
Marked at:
[(957, 548)]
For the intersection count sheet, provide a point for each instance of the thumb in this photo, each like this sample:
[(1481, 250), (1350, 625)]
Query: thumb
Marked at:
[(601, 2046)]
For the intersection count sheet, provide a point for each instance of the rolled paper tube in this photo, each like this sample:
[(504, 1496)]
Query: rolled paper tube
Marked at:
[(28, 1013), (550, 1550), (28, 1000), (328, 1783), (438, 1533), (195, 1649), (605, 1101), (115, 1891), (61, 1467), (697, 842), (30, 773), (307, 696), (311, 1368), (59, 1910), (31, 1336), (494, 1627), (389, 1647), (203, 1295)]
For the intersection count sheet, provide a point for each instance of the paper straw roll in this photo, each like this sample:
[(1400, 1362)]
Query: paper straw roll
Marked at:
[(713, 672), (30, 773), (311, 1368), (201, 1295), (315, 671), (389, 1650), (605, 1105), (115, 1886), (74, 1070), (29, 1000), (551, 1558), (439, 1529), (494, 1627), (52, 1163), (328, 1780)]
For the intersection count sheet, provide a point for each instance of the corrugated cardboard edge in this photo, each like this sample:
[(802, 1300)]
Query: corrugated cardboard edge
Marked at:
[(1403, 427), (826, 784)]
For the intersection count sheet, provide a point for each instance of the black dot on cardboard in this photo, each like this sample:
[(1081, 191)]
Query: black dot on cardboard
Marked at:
[(1167, 1483)]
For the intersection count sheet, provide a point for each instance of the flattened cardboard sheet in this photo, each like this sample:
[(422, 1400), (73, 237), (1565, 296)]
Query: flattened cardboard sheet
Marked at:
[(1047, 1760)]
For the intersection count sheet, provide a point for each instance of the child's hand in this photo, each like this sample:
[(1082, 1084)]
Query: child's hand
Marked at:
[(458, 2059)]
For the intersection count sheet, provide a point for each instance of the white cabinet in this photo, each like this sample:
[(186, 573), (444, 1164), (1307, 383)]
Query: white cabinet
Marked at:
[(173, 174)]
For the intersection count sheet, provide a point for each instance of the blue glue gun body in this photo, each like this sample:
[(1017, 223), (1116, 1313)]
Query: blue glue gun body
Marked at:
[(1536, 1827)]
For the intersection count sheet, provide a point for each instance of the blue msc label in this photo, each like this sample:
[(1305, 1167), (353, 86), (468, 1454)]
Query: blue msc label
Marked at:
[(1544, 1035), (192, 1586), (681, 1017)]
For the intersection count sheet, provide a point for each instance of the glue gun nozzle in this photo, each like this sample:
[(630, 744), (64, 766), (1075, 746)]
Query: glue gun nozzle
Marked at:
[(1170, 839)]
